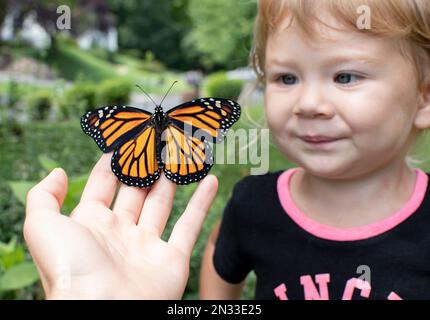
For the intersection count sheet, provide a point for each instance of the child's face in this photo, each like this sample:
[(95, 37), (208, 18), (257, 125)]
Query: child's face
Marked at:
[(354, 87)]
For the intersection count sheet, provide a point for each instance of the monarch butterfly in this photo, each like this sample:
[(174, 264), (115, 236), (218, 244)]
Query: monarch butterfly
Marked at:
[(145, 143)]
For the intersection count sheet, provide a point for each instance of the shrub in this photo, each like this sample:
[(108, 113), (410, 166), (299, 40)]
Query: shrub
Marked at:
[(114, 91), (150, 64), (220, 86), (15, 272), (40, 104), (78, 99), (14, 94)]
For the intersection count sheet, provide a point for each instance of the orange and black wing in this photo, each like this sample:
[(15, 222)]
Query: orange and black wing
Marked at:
[(112, 126), (135, 162), (214, 116), (186, 158)]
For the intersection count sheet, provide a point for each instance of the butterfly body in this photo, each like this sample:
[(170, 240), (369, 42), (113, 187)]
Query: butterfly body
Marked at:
[(160, 120), (145, 144)]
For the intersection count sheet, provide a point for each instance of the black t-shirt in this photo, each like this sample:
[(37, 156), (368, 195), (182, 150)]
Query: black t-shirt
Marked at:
[(297, 258)]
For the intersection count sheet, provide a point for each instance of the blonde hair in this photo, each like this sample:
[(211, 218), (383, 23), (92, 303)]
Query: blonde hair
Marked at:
[(405, 20)]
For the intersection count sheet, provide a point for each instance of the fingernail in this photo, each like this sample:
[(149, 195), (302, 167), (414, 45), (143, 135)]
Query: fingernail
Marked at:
[(56, 171)]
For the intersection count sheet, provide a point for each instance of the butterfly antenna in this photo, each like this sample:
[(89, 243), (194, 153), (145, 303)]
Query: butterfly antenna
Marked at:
[(146, 94), (168, 92)]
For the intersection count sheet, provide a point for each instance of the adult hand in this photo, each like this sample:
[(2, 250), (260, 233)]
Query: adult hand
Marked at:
[(103, 253)]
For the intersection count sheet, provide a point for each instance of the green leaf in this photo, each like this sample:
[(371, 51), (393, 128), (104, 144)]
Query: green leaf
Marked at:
[(21, 188), (6, 248), (76, 186), (19, 276), (12, 258), (47, 163)]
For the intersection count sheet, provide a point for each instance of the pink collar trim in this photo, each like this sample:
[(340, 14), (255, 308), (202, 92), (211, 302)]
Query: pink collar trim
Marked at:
[(349, 234)]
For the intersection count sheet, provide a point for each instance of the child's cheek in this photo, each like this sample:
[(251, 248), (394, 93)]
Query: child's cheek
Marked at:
[(382, 107), (276, 111), (376, 133), (373, 121)]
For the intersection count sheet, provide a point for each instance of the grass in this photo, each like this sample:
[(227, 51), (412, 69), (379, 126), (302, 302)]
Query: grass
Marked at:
[(75, 63)]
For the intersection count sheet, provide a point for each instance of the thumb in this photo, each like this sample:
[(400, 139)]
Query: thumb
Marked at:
[(48, 194)]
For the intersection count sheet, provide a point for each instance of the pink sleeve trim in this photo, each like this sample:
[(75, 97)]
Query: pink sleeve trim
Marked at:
[(349, 234)]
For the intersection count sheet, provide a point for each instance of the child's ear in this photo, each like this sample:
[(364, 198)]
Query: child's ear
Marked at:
[(422, 117)]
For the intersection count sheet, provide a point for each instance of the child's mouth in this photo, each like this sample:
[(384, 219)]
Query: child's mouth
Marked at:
[(319, 140)]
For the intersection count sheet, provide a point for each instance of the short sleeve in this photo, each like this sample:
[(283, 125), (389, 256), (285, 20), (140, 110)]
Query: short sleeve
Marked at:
[(229, 259)]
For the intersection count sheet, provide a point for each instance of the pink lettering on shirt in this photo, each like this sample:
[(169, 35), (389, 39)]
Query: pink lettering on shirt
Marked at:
[(311, 292)]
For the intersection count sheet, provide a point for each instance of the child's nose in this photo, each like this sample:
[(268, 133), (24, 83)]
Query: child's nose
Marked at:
[(313, 102)]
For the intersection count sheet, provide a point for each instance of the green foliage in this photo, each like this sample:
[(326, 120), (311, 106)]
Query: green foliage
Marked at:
[(188, 34), (19, 276), (10, 254), (17, 92), (72, 63), (155, 26), (150, 64), (222, 31), (40, 104), (3, 5), (20, 162), (114, 91), (76, 185), (21, 188), (75, 64), (14, 93), (15, 272), (220, 86), (78, 99)]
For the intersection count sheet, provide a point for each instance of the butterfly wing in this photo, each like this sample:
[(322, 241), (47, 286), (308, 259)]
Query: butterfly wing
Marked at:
[(112, 126), (212, 115), (186, 158), (135, 162)]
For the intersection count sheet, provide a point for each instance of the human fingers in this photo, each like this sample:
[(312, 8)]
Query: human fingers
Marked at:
[(187, 228), (102, 183), (48, 195), (158, 205), (129, 202), (43, 199)]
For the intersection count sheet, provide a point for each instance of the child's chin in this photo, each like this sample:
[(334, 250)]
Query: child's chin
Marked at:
[(329, 170)]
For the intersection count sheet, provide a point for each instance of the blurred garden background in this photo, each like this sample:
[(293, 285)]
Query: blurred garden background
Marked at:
[(50, 76)]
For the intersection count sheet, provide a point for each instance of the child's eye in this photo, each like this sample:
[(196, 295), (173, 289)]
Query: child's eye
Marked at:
[(288, 79), (347, 78)]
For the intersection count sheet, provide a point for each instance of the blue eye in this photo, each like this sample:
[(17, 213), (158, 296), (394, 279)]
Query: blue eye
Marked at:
[(288, 79), (347, 78)]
